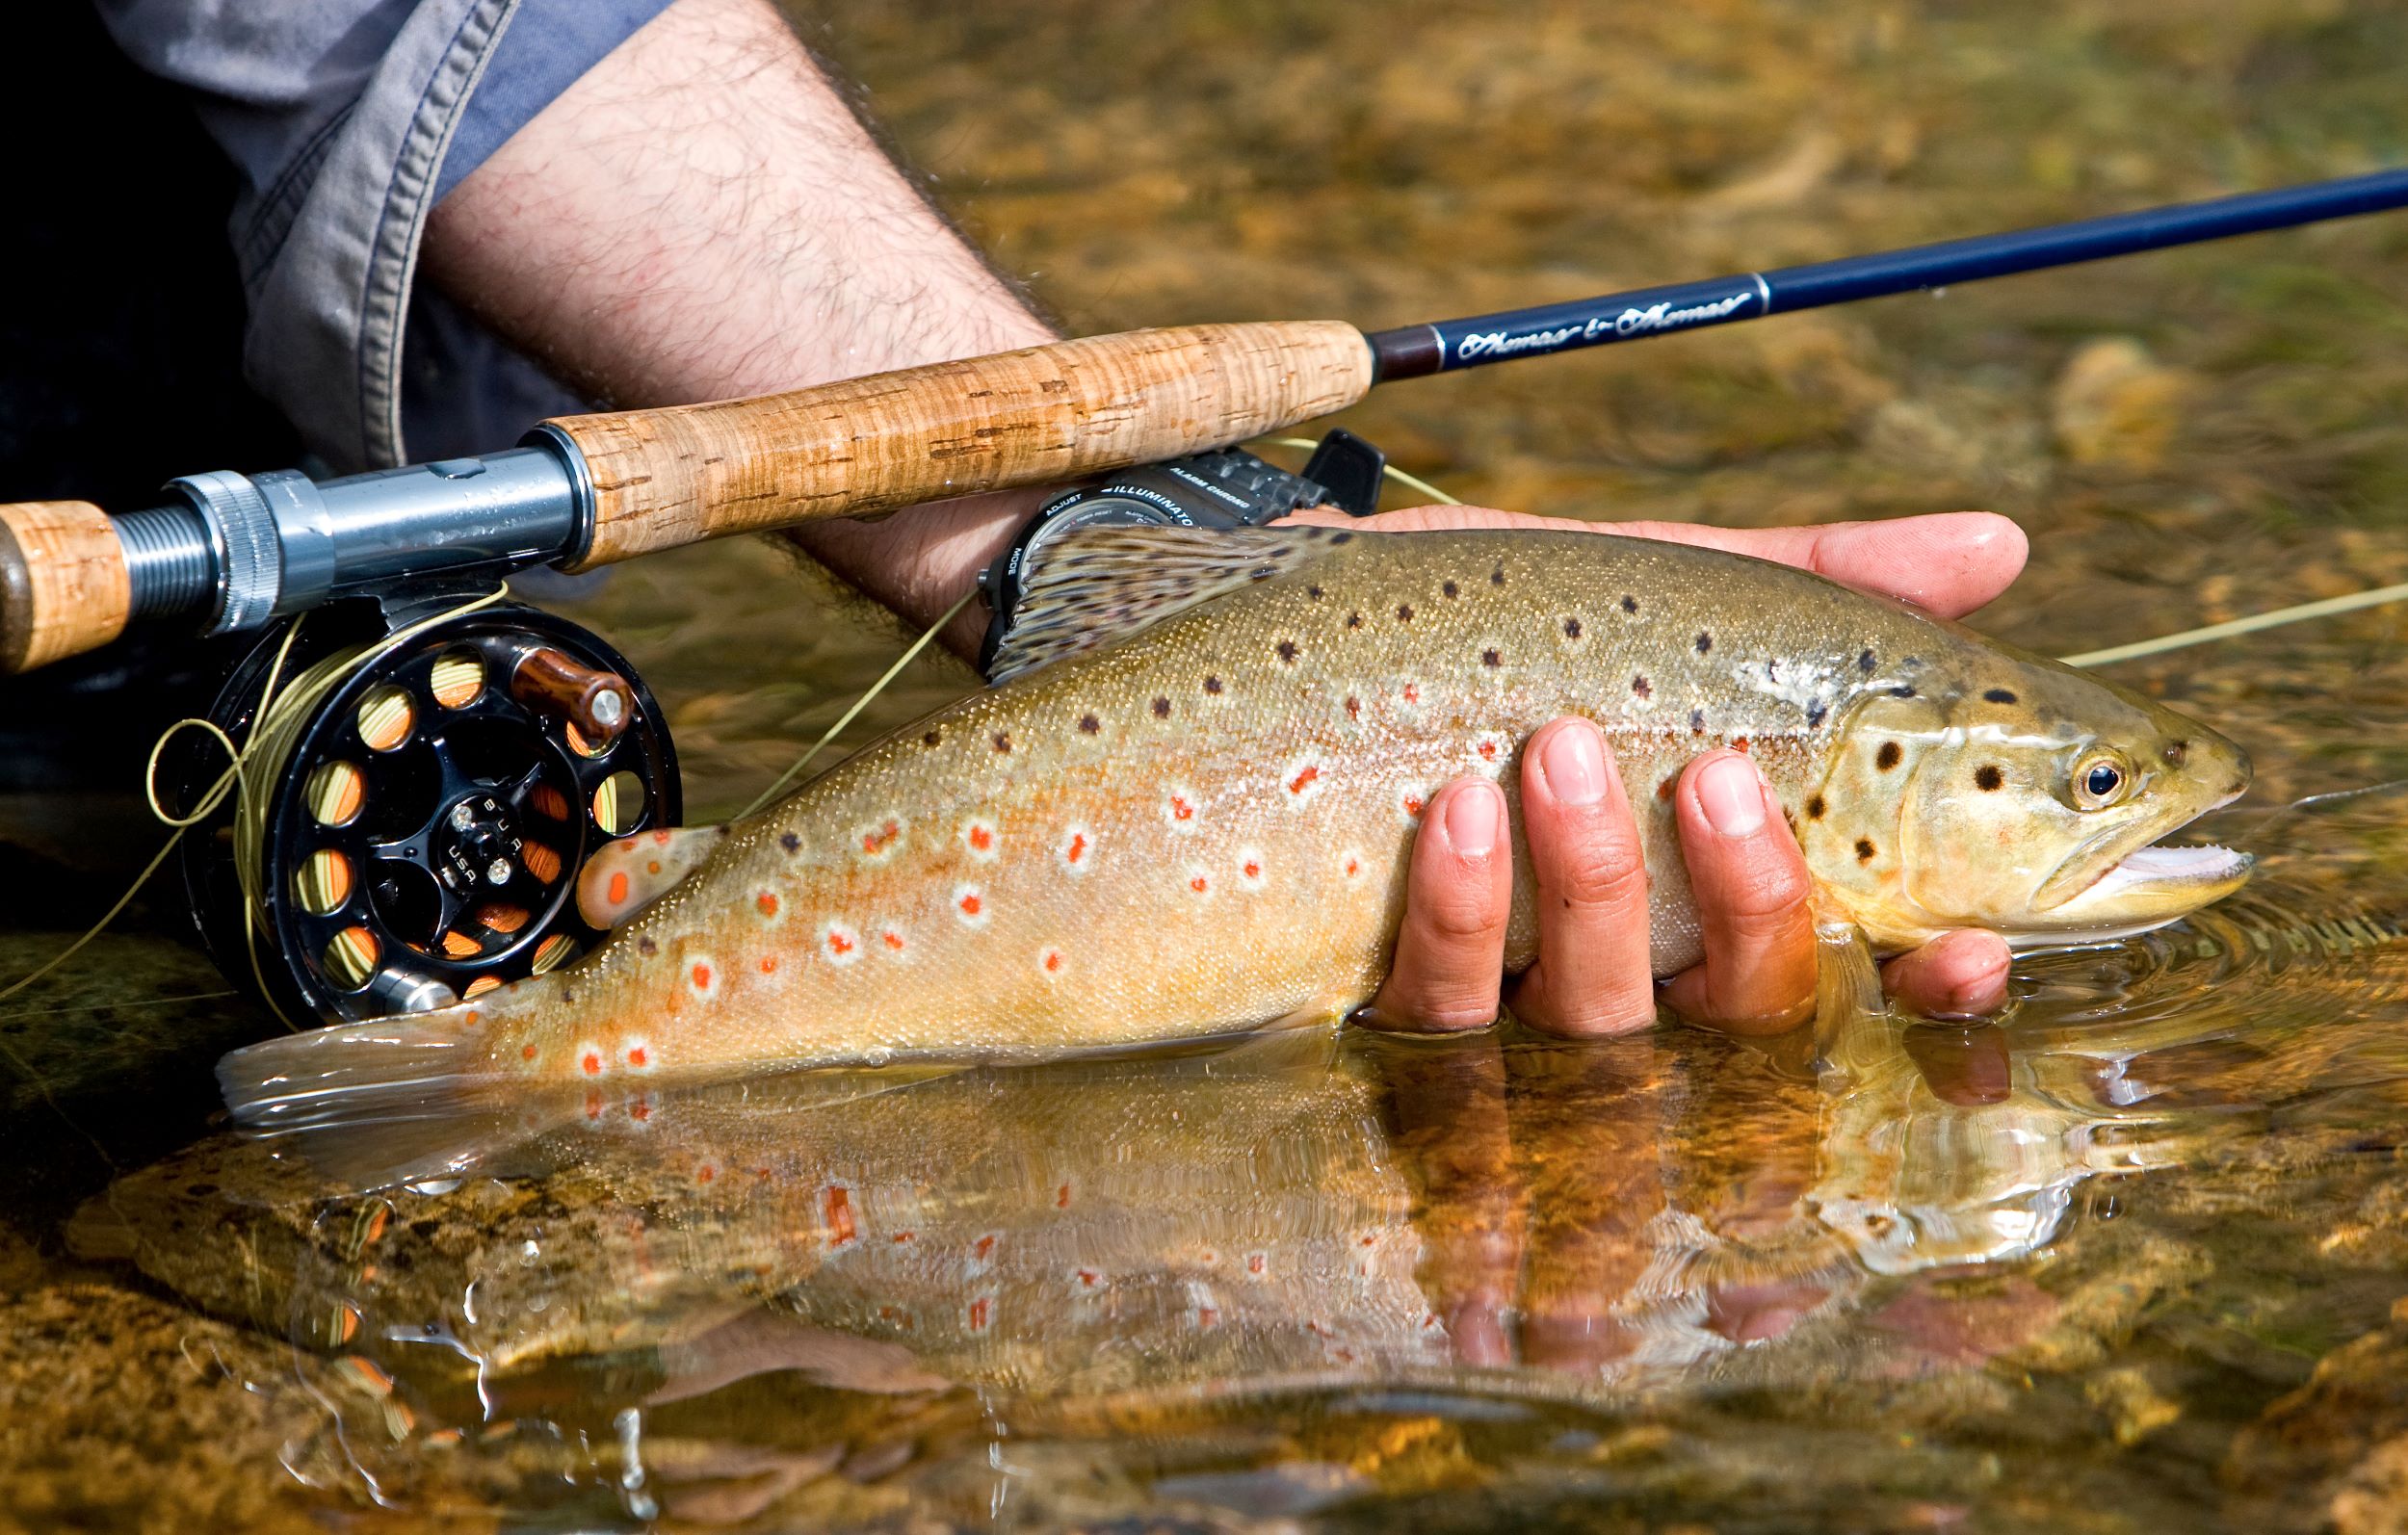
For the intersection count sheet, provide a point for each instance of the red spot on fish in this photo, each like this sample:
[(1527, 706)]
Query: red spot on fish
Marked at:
[(1208, 1316), (593, 1063), (1488, 751), (1089, 1278), (766, 902), (1253, 868), (705, 1173), (638, 1056), (899, 1237), (1077, 848), (1412, 692), (840, 1226), (1062, 1197), (661, 837), (982, 837), (1257, 1263), (970, 905), (983, 1247), (528, 1054), (1303, 780), (769, 964), (470, 1022), (1180, 810), (883, 837), (839, 943), (1354, 866), (618, 888), (1052, 961), (1354, 708), (1199, 884), (982, 1311), (1413, 806), (640, 1108), (894, 940), (652, 866), (702, 978), (593, 1104), (1739, 744)]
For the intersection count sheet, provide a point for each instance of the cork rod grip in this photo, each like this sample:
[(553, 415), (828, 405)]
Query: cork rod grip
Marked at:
[(63, 588), (1036, 417)]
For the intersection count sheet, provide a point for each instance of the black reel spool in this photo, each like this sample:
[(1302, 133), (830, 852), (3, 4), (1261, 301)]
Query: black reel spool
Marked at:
[(424, 835)]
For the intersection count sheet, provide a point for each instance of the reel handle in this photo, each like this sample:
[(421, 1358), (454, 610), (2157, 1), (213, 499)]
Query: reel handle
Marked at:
[(65, 587), (1039, 416)]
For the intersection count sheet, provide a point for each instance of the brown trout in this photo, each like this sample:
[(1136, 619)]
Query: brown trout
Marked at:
[(1187, 811)]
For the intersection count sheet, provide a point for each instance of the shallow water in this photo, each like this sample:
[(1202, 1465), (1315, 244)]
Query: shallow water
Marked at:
[(2130, 1259)]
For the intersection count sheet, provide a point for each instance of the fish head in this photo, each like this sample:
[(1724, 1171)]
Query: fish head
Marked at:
[(2008, 792)]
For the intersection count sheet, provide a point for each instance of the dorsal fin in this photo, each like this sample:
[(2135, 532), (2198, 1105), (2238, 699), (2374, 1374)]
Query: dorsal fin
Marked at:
[(631, 874), (1094, 586)]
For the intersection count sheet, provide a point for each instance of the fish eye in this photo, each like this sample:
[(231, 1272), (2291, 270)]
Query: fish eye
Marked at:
[(2099, 782)]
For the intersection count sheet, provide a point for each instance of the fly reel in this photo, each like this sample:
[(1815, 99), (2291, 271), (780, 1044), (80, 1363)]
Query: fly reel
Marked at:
[(415, 840)]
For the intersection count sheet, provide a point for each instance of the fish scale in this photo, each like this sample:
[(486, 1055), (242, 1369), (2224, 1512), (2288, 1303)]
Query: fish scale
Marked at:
[(1203, 824)]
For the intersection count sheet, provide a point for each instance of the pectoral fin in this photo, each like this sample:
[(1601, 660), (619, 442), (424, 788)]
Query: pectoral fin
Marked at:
[(1851, 1015)]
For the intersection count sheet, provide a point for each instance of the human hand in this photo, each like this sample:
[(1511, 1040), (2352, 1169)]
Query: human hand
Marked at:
[(1592, 976)]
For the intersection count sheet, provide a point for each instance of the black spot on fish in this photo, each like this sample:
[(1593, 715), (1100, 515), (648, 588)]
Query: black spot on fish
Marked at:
[(932, 740), (2175, 752), (1088, 725), (1641, 686), (1987, 776), (1404, 611), (1998, 695), (1888, 756), (1162, 709), (1864, 662), (790, 842), (1450, 589), (1491, 656), (1864, 851), (1705, 641), (1813, 807), (1314, 592), (1354, 620), (1571, 629), (1212, 684), (1630, 604), (1815, 712), (1698, 721), (1265, 572), (1341, 537), (1901, 690), (1002, 741), (1496, 577), (645, 945), (1287, 651)]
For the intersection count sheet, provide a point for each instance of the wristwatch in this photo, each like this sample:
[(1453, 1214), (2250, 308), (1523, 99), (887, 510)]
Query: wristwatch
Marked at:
[(1227, 487)]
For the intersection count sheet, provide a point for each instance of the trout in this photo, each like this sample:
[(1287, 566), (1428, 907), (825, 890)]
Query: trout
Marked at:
[(1185, 811)]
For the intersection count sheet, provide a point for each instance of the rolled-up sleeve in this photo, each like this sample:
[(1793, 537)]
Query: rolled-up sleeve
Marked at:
[(349, 120)]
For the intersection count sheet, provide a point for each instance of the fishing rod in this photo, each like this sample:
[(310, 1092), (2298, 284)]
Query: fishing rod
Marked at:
[(236, 552), (425, 767)]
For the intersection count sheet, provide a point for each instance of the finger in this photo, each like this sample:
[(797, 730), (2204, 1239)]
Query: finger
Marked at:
[(1959, 975), (1752, 902), (1458, 896), (1592, 976), (1949, 563), (1968, 1067)]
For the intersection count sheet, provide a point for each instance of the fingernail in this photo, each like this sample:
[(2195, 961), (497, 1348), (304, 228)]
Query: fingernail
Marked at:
[(1729, 789), (1574, 765), (1473, 816)]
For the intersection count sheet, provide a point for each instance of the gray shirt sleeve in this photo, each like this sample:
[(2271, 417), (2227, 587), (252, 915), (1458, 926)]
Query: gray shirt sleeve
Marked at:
[(347, 120)]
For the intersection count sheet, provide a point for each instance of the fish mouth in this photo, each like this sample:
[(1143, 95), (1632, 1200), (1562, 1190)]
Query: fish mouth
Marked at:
[(2145, 889)]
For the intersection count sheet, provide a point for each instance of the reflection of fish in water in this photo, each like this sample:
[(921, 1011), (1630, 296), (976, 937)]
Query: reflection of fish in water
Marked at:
[(1204, 824)]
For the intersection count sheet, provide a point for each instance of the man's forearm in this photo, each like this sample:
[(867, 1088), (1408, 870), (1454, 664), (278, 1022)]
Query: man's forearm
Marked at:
[(700, 217)]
